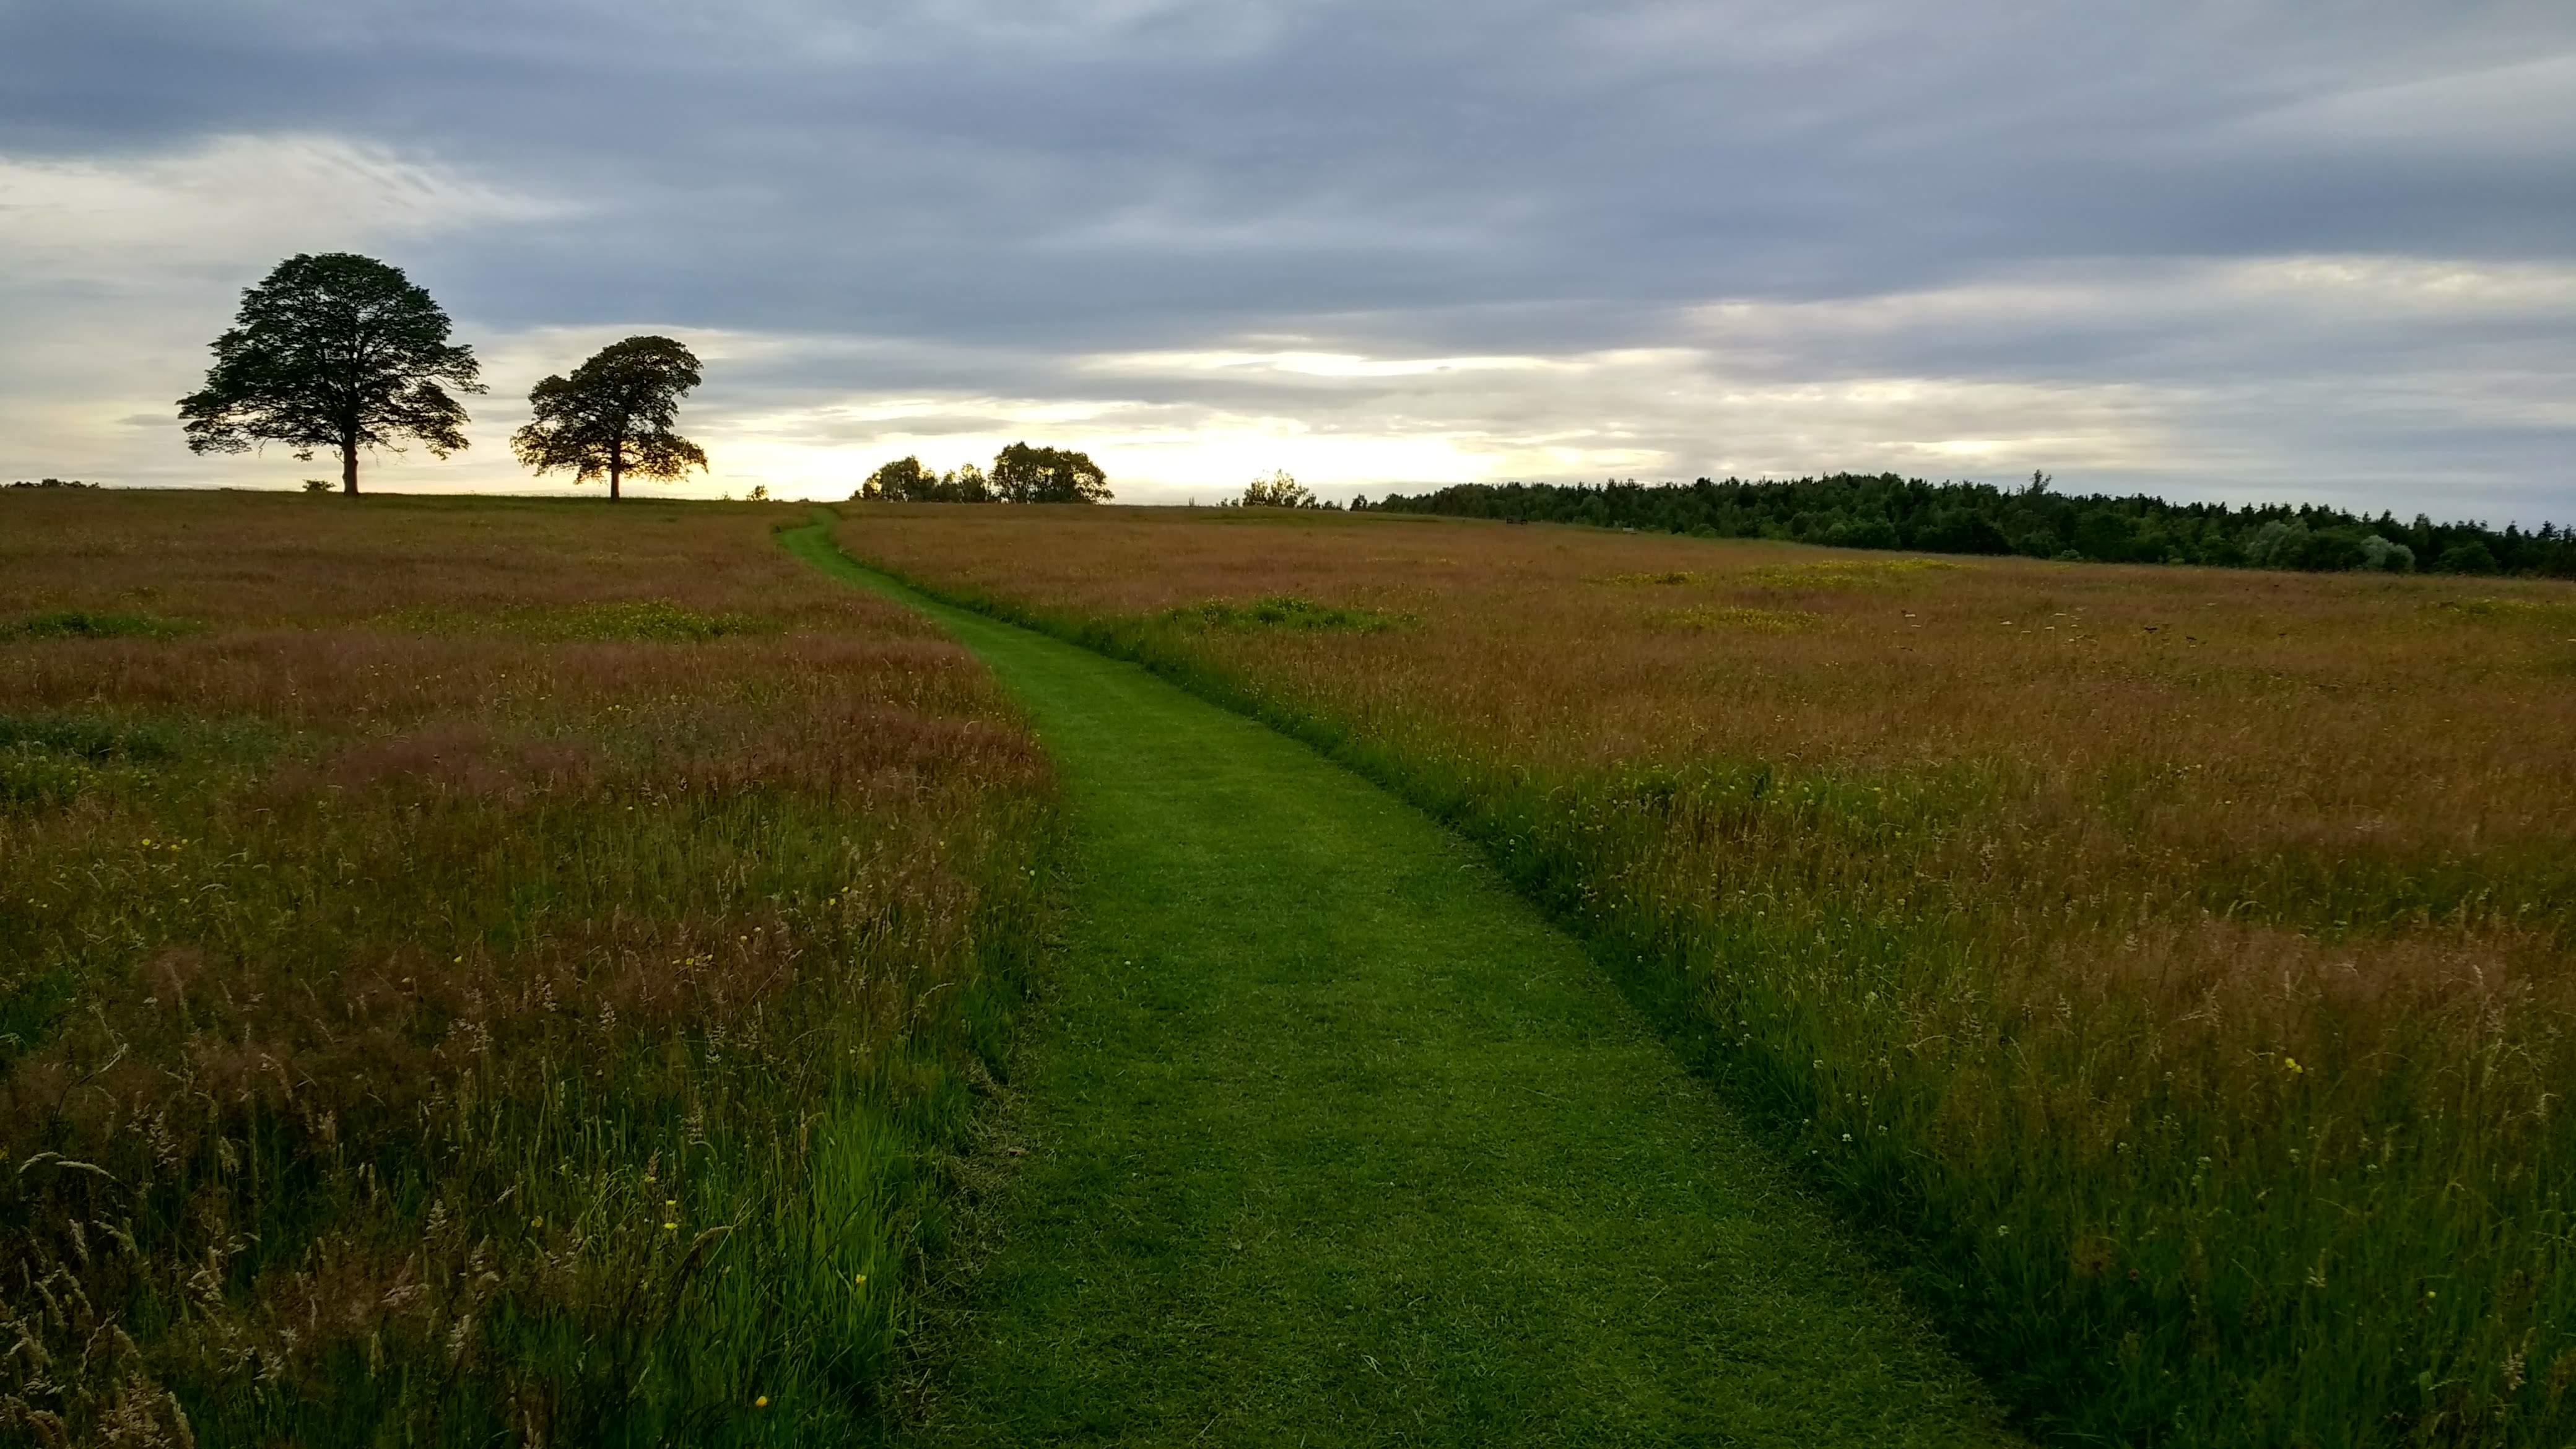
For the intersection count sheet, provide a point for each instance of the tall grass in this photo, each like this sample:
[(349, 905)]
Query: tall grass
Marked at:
[(548, 1022), (2171, 966)]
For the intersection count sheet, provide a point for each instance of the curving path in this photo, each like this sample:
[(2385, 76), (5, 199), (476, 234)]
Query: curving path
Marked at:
[(1333, 1140)]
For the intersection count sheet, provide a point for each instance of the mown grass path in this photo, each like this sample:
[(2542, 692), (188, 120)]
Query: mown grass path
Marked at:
[(1333, 1140)]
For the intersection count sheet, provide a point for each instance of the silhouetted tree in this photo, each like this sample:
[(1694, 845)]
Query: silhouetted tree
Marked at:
[(1022, 474), (905, 481), (902, 481), (613, 416), (333, 351), (1279, 490)]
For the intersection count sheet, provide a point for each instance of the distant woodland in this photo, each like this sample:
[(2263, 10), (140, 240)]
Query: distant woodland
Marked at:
[(1885, 511)]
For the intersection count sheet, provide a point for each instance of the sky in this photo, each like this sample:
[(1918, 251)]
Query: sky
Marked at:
[(2226, 249)]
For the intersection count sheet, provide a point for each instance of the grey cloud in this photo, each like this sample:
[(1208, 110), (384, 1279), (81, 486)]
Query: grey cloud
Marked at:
[(966, 200)]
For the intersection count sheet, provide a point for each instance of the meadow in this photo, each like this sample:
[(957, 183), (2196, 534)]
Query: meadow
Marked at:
[(2168, 967), (481, 970)]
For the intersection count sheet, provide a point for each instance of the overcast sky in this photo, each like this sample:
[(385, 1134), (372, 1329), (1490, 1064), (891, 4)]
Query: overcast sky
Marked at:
[(2242, 249)]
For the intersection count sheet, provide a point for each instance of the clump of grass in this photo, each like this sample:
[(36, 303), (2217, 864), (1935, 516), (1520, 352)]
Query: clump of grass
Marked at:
[(550, 1039), (1660, 576), (88, 624), (1738, 618), (86, 737), (34, 779), (48, 760), (1281, 612), (653, 620), (2550, 613), (1839, 573), (2182, 998)]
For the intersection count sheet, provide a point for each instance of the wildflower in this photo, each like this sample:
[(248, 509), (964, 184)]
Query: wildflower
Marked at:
[(2292, 1063), (763, 1401), (860, 1278), (670, 1227)]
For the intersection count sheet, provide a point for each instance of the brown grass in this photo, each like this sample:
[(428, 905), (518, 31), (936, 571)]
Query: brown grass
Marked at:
[(371, 997)]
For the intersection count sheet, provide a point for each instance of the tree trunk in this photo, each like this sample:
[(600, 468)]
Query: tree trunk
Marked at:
[(616, 466), (349, 469)]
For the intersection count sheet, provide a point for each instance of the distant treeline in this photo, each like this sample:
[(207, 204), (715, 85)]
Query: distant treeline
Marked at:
[(51, 483), (1021, 474), (1854, 510)]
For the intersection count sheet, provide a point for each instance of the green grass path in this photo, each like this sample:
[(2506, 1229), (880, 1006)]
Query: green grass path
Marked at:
[(1333, 1140)]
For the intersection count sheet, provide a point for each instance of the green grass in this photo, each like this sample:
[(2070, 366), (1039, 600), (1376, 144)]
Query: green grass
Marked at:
[(1331, 1139), (86, 624)]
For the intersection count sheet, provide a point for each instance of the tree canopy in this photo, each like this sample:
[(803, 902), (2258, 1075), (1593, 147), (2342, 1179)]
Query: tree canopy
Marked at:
[(905, 480), (334, 351), (1022, 474), (1279, 490), (612, 417)]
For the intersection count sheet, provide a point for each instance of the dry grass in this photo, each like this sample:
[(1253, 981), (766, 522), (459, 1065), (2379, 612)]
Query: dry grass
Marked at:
[(487, 969), (2177, 962)]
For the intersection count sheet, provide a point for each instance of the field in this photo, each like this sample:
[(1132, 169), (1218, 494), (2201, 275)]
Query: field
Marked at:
[(2170, 966), (481, 972)]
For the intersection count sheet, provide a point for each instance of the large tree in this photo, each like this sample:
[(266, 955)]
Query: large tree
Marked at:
[(333, 351), (1022, 474), (613, 416)]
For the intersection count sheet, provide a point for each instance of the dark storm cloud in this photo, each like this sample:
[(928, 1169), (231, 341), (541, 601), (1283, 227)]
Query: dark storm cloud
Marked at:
[(970, 198)]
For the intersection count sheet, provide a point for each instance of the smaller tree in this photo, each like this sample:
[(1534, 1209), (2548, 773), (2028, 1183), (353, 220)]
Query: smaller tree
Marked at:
[(905, 481), (1022, 474), (2470, 556), (1279, 490), (902, 481), (333, 351), (612, 417)]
